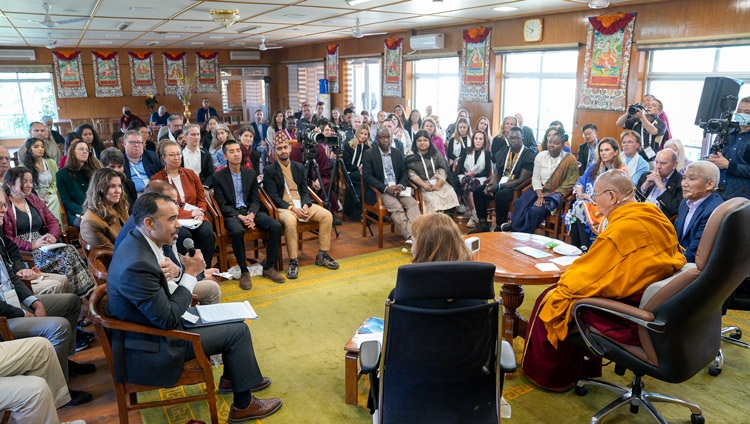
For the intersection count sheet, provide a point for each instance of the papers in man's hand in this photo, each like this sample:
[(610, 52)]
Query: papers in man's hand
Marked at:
[(564, 260), (231, 311), (53, 246), (372, 329), (405, 192), (190, 224)]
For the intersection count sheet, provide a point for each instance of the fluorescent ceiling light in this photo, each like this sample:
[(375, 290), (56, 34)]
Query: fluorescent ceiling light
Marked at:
[(216, 37), (172, 36), (197, 43), (143, 9), (505, 9), (356, 2)]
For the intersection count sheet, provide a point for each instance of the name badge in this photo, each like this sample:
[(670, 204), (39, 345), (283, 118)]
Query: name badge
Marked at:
[(11, 298), (432, 181), (297, 204), (503, 180), (649, 152)]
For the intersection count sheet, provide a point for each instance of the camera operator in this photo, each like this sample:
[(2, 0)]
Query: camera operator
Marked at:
[(733, 159), (643, 119), (306, 119), (310, 150)]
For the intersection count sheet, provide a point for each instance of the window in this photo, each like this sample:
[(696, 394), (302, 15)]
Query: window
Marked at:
[(27, 96), (363, 84), (303, 83), (243, 92), (542, 87), (676, 76), (436, 85)]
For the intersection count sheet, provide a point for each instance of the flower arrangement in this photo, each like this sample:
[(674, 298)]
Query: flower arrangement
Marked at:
[(186, 87), (150, 101)]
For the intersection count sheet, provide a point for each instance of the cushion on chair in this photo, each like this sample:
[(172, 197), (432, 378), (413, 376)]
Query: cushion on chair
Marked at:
[(711, 231), (657, 286)]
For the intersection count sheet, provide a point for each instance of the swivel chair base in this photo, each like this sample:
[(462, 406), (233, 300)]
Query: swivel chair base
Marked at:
[(730, 335), (636, 397)]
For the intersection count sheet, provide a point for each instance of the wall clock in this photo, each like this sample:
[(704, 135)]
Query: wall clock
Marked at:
[(532, 30)]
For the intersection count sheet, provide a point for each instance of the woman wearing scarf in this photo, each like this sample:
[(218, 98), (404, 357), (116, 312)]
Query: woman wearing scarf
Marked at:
[(474, 166), (555, 174), (428, 170)]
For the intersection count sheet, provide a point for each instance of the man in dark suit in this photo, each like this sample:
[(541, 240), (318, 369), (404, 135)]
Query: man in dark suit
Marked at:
[(514, 165), (384, 169), (205, 112), (699, 199), (245, 211), (587, 149), (137, 290), (140, 164), (662, 186), (286, 185), (261, 130)]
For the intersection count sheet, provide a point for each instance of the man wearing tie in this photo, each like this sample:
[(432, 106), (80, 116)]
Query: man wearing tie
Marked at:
[(137, 290)]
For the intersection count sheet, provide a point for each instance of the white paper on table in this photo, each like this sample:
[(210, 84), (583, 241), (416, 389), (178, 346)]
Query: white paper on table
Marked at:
[(226, 311), (546, 266), (564, 260)]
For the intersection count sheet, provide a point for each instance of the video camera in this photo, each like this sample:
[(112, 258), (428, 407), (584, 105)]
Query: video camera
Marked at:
[(720, 127), (312, 137)]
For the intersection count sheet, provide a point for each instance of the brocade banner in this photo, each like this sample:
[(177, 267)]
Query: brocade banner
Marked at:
[(106, 74), (69, 74)]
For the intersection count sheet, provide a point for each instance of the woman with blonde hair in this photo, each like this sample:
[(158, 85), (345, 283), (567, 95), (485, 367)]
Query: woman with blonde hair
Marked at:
[(437, 238), (221, 135), (353, 152), (675, 144), (105, 209)]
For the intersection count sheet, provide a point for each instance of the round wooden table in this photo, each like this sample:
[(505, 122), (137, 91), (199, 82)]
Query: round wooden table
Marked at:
[(514, 270)]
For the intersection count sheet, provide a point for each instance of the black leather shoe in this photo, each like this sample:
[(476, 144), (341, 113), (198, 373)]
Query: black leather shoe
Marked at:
[(78, 398), (75, 368), (483, 227), (505, 227)]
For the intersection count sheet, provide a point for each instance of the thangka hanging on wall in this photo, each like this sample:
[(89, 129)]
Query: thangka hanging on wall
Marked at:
[(69, 74), (174, 67), (475, 65), (605, 71), (107, 80), (393, 70), (207, 64), (142, 73), (332, 67)]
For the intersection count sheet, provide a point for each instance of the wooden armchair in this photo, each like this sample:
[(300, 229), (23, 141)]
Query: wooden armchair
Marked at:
[(194, 371), (99, 260), (374, 213), (69, 233), (224, 240), (302, 227)]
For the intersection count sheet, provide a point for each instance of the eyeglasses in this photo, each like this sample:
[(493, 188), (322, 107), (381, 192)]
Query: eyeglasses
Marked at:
[(174, 155), (84, 150), (594, 195), (4, 206)]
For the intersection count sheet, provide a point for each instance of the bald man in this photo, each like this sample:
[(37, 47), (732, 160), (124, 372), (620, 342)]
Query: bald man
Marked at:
[(662, 186), (4, 162), (638, 247)]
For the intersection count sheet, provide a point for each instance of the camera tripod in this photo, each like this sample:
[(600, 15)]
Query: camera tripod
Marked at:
[(338, 169), (312, 172)]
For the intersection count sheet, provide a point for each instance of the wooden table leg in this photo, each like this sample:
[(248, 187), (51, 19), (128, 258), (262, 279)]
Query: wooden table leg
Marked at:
[(513, 324), (351, 377)]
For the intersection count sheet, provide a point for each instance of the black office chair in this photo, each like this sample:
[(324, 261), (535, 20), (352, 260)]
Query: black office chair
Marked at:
[(679, 321), (441, 360)]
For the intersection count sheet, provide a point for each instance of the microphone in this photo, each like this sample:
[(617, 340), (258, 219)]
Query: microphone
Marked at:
[(190, 246)]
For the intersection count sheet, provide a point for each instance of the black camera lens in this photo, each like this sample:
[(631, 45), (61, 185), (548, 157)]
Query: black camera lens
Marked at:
[(632, 109)]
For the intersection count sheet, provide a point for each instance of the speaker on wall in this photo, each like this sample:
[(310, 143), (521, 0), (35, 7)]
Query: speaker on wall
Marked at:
[(719, 95)]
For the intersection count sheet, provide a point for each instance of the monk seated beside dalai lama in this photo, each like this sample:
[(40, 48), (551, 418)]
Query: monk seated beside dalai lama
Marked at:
[(637, 248)]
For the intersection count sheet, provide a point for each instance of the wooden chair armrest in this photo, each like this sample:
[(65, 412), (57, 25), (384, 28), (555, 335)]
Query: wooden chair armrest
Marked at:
[(5, 329), (116, 324), (315, 197), (273, 211), (378, 196)]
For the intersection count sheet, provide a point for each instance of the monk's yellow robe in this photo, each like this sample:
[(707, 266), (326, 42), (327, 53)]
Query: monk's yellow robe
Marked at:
[(638, 248)]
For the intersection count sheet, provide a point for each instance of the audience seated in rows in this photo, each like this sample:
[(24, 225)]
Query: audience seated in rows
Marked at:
[(40, 131)]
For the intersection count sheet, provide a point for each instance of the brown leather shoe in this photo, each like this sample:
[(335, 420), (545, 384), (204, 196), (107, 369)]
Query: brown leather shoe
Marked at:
[(245, 282), (258, 408), (225, 386), (274, 276)]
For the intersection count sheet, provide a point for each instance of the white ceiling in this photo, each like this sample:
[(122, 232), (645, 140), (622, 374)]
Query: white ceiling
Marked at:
[(187, 23)]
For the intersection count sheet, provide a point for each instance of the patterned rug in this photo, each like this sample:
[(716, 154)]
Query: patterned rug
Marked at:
[(304, 324)]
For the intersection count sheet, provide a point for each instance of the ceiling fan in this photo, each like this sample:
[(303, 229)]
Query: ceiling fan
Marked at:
[(357, 31), (51, 44), (262, 46), (48, 22)]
